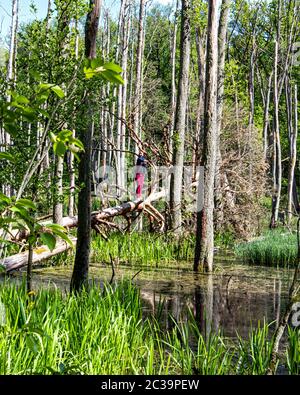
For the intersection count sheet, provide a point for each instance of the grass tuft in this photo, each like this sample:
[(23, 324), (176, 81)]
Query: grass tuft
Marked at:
[(275, 248)]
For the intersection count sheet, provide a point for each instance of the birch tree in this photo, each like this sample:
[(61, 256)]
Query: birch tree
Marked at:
[(180, 119), (138, 76), (222, 42)]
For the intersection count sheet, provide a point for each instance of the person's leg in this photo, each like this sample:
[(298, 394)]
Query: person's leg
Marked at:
[(140, 182), (138, 189)]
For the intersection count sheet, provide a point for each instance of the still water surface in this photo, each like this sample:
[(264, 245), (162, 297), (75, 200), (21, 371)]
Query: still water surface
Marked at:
[(233, 299)]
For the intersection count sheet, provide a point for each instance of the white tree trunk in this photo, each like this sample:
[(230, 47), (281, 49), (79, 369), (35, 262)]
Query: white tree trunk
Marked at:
[(180, 119)]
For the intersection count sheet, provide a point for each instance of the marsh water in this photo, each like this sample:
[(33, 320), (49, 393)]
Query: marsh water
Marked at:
[(234, 299)]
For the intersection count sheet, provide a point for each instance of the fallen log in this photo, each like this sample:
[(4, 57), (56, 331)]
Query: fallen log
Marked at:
[(41, 253)]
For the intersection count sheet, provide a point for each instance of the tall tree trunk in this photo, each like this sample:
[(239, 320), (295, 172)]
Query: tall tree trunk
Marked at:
[(58, 196), (11, 67), (11, 75), (138, 74), (222, 42), (48, 16), (180, 119), (266, 117), (277, 165), (71, 210), (292, 111), (173, 78), (124, 30), (205, 225), (63, 28), (200, 46), (81, 264)]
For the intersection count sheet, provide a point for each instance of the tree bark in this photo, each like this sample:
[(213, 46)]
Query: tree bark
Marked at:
[(222, 43), (200, 46), (180, 119), (11, 76), (81, 264), (123, 43), (138, 74), (58, 194), (277, 165), (266, 117), (173, 77), (292, 111), (205, 227)]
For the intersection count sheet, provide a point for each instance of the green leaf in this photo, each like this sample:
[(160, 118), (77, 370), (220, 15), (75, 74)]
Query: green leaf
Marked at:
[(113, 67), (53, 137), (35, 75), (44, 113), (56, 227), (11, 128), (89, 73), (26, 203), (29, 114), (58, 91), (65, 134), (4, 198), (6, 156), (64, 237), (59, 148), (19, 98), (60, 231), (23, 214), (112, 77), (95, 63), (77, 143), (49, 240)]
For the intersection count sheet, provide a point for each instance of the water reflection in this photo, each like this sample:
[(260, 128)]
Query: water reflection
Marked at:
[(232, 300), (228, 303)]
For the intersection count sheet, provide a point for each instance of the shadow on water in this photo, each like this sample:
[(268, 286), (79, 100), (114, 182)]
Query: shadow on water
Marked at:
[(234, 299)]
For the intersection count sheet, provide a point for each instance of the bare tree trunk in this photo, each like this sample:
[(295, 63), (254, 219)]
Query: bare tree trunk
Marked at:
[(124, 30), (71, 210), (292, 113), (11, 67), (138, 74), (81, 264), (11, 75), (173, 78), (222, 42), (180, 119), (200, 46), (204, 250), (58, 195), (277, 166), (266, 116), (48, 17)]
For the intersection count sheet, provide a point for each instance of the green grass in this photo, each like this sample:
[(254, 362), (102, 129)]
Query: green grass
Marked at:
[(103, 331), (274, 248), (99, 332), (293, 351), (143, 248)]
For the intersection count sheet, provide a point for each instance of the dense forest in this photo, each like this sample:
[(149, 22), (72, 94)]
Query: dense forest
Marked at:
[(146, 136)]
